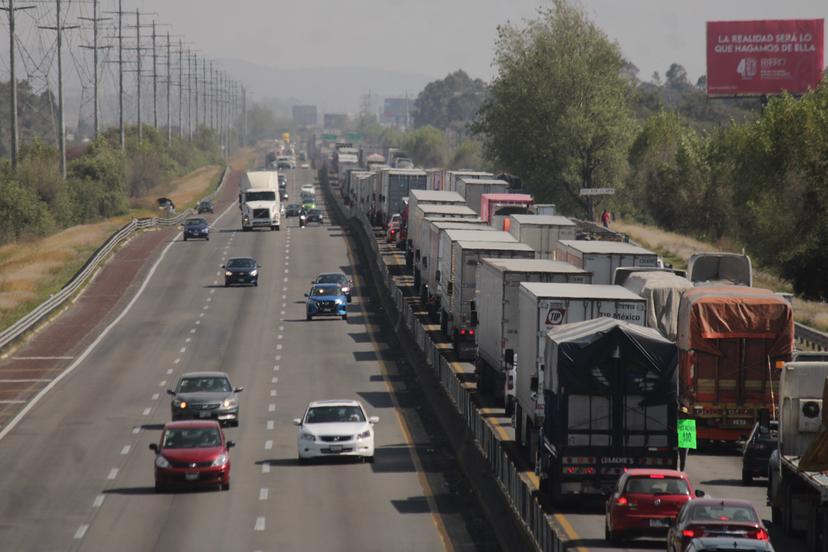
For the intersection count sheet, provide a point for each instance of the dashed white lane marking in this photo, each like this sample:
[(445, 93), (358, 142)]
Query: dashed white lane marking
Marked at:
[(188, 340), (212, 290), (125, 450), (286, 271), (205, 307), (201, 315), (136, 430), (268, 444), (215, 283), (270, 425), (260, 524), (218, 273), (198, 322), (263, 493), (170, 370), (286, 278), (278, 346), (284, 297), (275, 367), (98, 501), (155, 396), (192, 330), (280, 336), (183, 350), (209, 299), (281, 328), (272, 392), (265, 467), (271, 407), (278, 358), (287, 257), (284, 288), (81, 531), (163, 383), (282, 313), (274, 379), (147, 411), (176, 361), (113, 473)]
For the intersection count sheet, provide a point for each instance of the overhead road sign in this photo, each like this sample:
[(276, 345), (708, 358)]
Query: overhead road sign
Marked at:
[(596, 191)]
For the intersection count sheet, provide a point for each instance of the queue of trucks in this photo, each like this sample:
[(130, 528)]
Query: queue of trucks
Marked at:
[(594, 346)]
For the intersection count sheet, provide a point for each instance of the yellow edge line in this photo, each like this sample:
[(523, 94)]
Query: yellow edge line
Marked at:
[(415, 456)]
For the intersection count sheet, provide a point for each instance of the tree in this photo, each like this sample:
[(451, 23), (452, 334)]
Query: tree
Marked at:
[(454, 99), (557, 112), (426, 145), (677, 77)]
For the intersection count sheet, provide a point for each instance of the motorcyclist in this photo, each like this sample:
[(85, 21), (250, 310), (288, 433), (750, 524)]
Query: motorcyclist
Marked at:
[(303, 217)]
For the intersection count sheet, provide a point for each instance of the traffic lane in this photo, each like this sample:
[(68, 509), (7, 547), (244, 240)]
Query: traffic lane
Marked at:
[(378, 507)]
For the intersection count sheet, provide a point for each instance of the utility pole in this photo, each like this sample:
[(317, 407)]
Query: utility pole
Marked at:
[(169, 85), (95, 19), (181, 88), (120, 63), (204, 90), (194, 101), (15, 147), (213, 96), (59, 28), (244, 116), (154, 79)]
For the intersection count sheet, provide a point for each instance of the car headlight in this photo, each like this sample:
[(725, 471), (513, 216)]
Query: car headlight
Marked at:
[(346, 289), (365, 434), (179, 403), (245, 218), (231, 402), (338, 301), (161, 462), (220, 460), (254, 272), (307, 436), (228, 273)]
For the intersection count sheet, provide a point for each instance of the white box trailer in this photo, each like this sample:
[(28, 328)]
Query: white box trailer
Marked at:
[(426, 266), (418, 233), (542, 232), (603, 257), (394, 189), (451, 178), (363, 183), (472, 188), (350, 187), (542, 307), (461, 289), (498, 282), (426, 197)]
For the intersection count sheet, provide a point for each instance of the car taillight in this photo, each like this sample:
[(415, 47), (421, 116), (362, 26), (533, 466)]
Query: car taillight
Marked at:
[(692, 533), (471, 332), (656, 476), (761, 534), (621, 501)]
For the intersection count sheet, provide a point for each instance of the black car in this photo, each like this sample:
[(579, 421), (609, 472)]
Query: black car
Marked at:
[(196, 228), (241, 270), (315, 215), (293, 210), (282, 182), (207, 396), (336, 278), (205, 206), (283, 195), (758, 449)]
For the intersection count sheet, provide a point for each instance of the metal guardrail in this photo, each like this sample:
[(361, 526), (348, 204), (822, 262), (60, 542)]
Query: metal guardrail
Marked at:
[(42, 311), (811, 338)]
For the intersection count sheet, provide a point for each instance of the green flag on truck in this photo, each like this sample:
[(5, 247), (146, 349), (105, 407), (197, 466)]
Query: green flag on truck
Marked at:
[(687, 434)]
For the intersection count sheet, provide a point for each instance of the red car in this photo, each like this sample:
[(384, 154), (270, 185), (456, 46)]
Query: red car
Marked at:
[(644, 501), (715, 517), (192, 453)]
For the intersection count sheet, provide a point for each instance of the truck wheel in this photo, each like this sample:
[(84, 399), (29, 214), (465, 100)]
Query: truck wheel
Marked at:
[(278, 227), (185, 238), (747, 477)]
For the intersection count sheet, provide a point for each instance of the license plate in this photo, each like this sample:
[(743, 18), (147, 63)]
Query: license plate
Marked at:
[(191, 476), (658, 523), (336, 448), (203, 414)]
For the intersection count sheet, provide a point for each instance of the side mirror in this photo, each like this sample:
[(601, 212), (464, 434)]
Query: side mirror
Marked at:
[(238, 389), (700, 493), (153, 447), (306, 295), (231, 444), (373, 420), (297, 421), (222, 266), (171, 392)]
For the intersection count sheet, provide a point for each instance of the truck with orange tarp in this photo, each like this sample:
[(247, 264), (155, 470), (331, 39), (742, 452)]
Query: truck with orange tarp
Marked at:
[(732, 342)]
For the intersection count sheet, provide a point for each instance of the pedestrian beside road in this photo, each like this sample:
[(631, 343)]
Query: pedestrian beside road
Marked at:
[(605, 218)]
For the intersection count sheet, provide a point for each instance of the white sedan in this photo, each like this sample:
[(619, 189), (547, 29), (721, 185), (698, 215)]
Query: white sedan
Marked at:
[(335, 428)]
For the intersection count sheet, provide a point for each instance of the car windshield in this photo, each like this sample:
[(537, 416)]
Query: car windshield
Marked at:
[(241, 263), (206, 204), (659, 485), (197, 437), (331, 414), (315, 212), (260, 196), (331, 279), (723, 512), (307, 195), (195, 222), (325, 290), (209, 384)]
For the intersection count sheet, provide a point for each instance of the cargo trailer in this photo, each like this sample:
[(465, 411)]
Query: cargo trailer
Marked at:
[(394, 188), (426, 265), (663, 291), (496, 208), (603, 257), (473, 188), (542, 232)]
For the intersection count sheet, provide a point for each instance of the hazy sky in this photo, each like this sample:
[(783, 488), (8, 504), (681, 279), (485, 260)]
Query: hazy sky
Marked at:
[(433, 37)]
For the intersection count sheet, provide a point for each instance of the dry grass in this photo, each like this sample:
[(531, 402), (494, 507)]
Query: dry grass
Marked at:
[(677, 249)]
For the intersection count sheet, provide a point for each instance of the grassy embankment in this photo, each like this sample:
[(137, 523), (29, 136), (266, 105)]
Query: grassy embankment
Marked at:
[(33, 270)]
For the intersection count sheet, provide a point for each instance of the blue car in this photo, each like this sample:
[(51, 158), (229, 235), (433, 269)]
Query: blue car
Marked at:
[(196, 228), (326, 300)]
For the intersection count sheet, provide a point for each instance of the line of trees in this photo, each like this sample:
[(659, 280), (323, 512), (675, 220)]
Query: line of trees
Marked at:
[(567, 111)]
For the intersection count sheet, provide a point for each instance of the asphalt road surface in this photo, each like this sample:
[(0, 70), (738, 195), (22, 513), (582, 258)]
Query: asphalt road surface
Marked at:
[(76, 472)]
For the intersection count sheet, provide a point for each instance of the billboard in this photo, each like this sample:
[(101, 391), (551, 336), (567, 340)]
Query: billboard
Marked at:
[(304, 115), (752, 58), (334, 120), (396, 112)]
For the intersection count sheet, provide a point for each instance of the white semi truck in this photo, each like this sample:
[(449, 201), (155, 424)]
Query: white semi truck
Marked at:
[(259, 200)]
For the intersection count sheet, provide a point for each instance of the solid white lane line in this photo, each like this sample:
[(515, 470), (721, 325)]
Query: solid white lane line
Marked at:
[(270, 425), (263, 493), (272, 392), (125, 450), (98, 501), (265, 467), (271, 407), (147, 411), (268, 444), (155, 396), (260, 524), (81, 531), (113, 473)]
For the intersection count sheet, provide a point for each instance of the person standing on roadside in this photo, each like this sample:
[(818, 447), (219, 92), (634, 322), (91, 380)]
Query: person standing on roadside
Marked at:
[(605, 218)]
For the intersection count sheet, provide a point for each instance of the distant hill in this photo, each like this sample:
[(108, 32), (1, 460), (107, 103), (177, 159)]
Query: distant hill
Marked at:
[(332, 89)]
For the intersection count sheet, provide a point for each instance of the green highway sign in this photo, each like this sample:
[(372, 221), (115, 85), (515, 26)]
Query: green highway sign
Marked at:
[(329, 137), (687, 434), (353, 136)]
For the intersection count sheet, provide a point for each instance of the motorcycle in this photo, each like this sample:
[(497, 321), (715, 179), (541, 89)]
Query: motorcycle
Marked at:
[(302, 220)]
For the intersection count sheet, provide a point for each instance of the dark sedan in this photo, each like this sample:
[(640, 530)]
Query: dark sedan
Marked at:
[(205, 395), (315, 215), (293, 210), (758, 449), (241, 270), (205, 206), (196, 228), (338, 278)]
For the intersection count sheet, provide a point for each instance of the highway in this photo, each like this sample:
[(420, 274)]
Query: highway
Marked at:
[(77, 473)]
